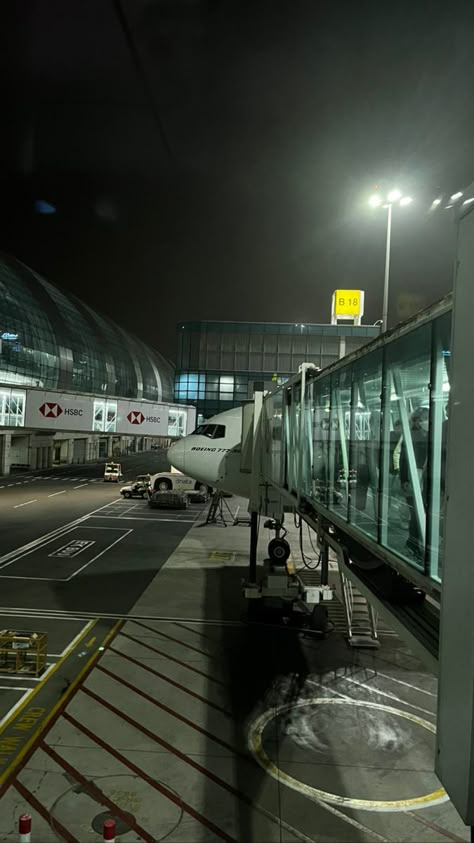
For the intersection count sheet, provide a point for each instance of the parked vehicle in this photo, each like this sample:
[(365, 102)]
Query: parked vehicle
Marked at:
[(113, 472), (138, 488)]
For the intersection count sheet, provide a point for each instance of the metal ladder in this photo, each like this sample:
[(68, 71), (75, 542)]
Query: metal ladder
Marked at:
[(361, 617)]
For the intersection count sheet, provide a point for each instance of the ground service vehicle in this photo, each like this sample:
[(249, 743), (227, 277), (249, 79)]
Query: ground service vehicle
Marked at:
[(137, 489), (175, 481), (113, 472)]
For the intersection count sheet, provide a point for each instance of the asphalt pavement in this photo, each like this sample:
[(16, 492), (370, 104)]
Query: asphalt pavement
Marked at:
[(70, 543)]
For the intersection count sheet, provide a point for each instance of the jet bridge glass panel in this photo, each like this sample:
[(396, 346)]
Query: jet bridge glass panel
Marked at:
[(374, 443)]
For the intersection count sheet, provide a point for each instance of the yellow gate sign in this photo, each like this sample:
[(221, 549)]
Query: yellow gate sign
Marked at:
[(348, 302)]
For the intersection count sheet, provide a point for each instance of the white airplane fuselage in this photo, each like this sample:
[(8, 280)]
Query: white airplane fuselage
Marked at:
[(211, 454)]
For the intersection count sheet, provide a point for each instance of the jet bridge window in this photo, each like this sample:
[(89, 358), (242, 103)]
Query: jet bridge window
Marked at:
[(212, 431)]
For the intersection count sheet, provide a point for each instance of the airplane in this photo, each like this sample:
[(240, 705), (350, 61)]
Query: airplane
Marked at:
[(211, 453)]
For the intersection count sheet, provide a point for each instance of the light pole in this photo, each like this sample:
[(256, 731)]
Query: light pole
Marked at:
[(395, 197)]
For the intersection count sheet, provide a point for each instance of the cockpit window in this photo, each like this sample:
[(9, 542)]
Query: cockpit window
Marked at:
[(212, 431)]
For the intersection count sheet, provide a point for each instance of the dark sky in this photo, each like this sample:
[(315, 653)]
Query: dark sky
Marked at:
[(230, 180)]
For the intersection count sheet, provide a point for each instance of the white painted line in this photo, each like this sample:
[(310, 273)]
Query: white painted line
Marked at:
[(18, 484), (10, 484), (63, 529), (42, 614), (99, 555), (81, 486), (14, 678), (145, 518), (71, 644), (13, 688), (407, 684), (32, 579), (53, 495), (73, 478), (2, 487), (386, 694), (328, 688), (25, 504)]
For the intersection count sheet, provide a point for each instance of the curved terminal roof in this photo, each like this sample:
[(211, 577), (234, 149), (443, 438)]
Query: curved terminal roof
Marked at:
[(51, 339)]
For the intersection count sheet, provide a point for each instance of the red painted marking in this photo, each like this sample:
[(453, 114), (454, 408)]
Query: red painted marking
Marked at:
[(43, 812), (435, 827), (194, 631), (172, 659), (176, 640), (174, 713), (168, 746), (67, 699), (96, 792), (161, 788), (171, 681)]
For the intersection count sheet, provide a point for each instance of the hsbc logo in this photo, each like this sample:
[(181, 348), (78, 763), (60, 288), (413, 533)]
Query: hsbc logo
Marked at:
[(136, 417), (50, 410)]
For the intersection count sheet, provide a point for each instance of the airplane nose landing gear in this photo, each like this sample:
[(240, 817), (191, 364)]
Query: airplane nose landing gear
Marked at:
[(278, 548)]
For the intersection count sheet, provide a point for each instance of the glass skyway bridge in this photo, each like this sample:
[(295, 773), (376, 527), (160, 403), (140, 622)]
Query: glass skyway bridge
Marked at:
[(363, 444)]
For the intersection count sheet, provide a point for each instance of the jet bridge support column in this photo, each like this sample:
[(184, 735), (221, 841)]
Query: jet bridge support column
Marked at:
[(455, 731)]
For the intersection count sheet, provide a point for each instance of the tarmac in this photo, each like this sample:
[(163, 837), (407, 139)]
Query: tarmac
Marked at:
[(187, 723)]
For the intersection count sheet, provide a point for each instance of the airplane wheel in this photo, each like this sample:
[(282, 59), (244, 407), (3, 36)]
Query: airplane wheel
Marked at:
[(279, 550)]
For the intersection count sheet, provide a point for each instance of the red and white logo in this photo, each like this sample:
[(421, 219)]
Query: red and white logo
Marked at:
[(50, 410), (136, 417)]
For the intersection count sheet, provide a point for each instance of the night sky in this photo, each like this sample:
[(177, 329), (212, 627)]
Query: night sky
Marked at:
[(212, 159)]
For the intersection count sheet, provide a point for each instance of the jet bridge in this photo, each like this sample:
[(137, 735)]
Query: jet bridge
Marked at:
[(363, 451)]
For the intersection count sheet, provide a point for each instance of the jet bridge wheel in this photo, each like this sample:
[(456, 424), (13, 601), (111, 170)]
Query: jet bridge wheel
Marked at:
[(279, 550)]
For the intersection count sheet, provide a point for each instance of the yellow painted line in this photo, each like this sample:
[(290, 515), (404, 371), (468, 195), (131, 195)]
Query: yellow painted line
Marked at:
[(47, 677), (72, 687), (91, 641), (255, 745)]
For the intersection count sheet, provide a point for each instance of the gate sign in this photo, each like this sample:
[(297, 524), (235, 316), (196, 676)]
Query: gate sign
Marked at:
[(142, 419), (348, 302), (58, 411)]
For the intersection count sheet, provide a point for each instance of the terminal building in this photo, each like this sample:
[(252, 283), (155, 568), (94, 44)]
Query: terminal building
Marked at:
[(74, 386), (218, 363)]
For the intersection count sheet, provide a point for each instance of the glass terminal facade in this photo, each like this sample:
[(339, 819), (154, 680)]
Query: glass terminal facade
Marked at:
[(219, 362), (50, 339)]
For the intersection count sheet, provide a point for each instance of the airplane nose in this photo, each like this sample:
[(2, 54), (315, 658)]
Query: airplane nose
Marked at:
[(176, 455)]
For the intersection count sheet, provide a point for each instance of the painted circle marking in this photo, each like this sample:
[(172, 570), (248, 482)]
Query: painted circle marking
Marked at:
[(255, 745)]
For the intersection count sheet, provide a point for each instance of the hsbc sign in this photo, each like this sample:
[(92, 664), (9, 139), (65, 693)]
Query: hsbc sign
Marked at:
[(51, 410), (58, 411), (64, 411), (144, 419)]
